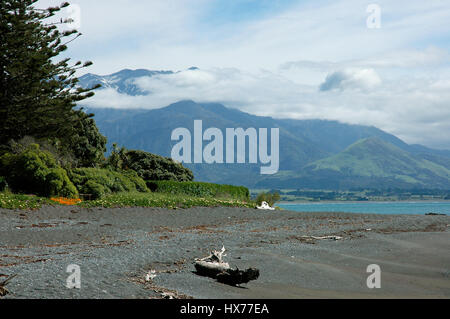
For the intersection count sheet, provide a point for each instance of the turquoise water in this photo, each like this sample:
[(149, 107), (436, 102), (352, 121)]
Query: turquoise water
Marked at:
[(410, 208)]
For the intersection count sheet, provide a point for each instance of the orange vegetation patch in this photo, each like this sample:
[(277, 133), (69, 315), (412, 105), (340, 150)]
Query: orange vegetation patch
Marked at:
[(66, 201)]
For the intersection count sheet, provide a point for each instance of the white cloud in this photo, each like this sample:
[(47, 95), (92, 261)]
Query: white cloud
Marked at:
[(396, 77), (365, 79), (161, 34), (413, 109), (411, 58)]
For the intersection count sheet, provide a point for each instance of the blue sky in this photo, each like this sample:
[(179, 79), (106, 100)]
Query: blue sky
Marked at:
[(282, 58), (225, 12)]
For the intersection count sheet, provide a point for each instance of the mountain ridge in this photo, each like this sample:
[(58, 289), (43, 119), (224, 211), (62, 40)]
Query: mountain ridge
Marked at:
[(302, 142), (150, 130)]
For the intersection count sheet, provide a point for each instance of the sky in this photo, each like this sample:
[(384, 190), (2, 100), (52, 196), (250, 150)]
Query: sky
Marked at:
[(383, 63)]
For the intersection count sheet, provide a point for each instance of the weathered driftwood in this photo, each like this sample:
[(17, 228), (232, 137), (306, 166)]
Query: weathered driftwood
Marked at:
[(210, 269), (3, 290), (213, 266)]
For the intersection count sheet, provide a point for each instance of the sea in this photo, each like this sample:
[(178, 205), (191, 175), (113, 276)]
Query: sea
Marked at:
[(400, 208)]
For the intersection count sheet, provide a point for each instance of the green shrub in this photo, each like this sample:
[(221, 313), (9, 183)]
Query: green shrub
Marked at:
[(58, 183), (96, 190), (270, 198), (139, 183), (149, 167), (36, 172), (98, 181), (199, 189), (53, 146)]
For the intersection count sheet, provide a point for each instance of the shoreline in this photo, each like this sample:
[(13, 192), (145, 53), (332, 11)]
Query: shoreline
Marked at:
[(363, 202), (372, 207), (116, 248)]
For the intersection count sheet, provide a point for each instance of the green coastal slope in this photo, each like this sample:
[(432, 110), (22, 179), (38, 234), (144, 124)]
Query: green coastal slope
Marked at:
[(368, 163), (374, 157)]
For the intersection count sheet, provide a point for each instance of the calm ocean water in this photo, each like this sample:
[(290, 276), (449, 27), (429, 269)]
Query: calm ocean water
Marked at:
[(410, 208)]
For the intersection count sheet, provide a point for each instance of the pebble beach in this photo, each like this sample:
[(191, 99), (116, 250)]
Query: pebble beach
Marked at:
[(117, 248)]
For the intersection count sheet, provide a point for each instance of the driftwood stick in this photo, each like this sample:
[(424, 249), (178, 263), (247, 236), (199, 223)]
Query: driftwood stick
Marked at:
[(215, 256)]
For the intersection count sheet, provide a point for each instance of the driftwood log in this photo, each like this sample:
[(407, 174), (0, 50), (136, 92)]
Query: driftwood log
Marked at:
[(213, 266), (3, 290)]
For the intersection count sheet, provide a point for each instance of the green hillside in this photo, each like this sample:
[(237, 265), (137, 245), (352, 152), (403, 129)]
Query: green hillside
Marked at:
[(375, 158)]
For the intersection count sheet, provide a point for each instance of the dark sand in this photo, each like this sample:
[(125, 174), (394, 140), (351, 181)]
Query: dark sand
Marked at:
[(115, 248)]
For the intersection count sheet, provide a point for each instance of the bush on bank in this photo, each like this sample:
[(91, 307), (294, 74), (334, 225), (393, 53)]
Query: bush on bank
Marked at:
[(34, 171), (199, 189), (99, 182), (149, 166)]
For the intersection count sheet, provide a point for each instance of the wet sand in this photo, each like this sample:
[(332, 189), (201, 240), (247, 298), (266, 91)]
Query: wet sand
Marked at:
[(116, 248)]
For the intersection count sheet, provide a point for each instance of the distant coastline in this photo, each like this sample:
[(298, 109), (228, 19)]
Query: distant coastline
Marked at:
[(371, 207)]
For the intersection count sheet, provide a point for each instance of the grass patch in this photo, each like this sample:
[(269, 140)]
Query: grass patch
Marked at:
[(124, 199), (162, 200), (18, 201)]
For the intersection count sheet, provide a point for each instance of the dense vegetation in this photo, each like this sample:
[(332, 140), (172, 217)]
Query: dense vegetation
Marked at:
[(149, 166), (98, 182), (38, 92), (35, 171), (48, 146)]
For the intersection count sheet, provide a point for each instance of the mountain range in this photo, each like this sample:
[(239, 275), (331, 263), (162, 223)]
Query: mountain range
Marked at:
[(314, 154)]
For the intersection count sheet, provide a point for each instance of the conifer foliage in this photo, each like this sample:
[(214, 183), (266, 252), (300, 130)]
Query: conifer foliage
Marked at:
[(38, 90)]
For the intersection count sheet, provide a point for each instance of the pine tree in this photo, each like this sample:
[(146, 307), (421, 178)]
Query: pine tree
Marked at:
[(38, 93)]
